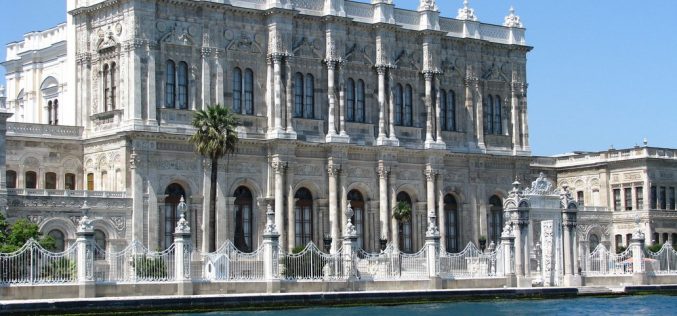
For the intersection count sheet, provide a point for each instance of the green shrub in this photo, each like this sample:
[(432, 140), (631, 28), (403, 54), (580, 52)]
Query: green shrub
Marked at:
[(153, 268), (59, 269)]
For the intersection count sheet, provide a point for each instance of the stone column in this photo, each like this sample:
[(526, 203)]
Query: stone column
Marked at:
[(206, 78), (441, 215), (291, 210), (270, 93), (151, 106), (639, 276), (343, 201), (394, 224), (438, 115), (430, 174), (381, 70), (508, 243), (279, 167), (525, 125), (135, 165), (568, 265), (383, 172), (514, 107), (331, 93), (85, 254), (290, 101), (219, 89), (3, 167), (277, 94), (182, 251), (207, 242), (342, 99), (432, 246), (521, 251), (429, 76), (332, 171), (479, 115), (349, 245), (391, 111), (470, 114)]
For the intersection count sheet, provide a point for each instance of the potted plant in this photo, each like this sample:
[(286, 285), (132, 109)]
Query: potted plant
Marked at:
[(402, 211), (483, 242)]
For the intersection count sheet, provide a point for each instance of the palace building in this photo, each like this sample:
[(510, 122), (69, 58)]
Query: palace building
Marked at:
[(340, 102)]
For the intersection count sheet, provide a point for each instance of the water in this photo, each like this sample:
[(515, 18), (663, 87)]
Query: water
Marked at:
[(662, 305)]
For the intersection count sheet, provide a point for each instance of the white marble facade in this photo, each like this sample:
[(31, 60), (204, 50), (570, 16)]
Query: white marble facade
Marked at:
[(338, 100)]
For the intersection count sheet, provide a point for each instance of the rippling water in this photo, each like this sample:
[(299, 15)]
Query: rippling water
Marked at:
[(623, 305)]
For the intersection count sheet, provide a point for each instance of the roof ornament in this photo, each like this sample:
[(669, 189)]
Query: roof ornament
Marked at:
[(512, 20), (466, 13), (427, 5)]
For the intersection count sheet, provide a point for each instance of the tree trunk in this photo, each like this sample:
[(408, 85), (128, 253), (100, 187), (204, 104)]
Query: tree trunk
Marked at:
[(212, 206)]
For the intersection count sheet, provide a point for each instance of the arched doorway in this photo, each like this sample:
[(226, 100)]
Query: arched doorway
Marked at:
[(357, 204), (173, 194), (303, 211), (451, 223), (404, 228), (244, 204), (495, 219)]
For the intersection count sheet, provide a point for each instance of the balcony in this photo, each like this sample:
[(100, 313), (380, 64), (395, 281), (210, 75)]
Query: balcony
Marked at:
[(67, 193), (44, 130)]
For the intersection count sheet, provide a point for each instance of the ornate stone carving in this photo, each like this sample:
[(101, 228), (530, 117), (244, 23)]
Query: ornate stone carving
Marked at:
[(36, 219), (427, 5), (466, 13), (540, 186), (119, 222), (270, 228), (512, 20)]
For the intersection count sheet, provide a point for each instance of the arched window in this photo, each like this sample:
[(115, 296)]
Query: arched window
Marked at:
[(113, 86), (104, 181), (495, 218), (69, 181), (357, 203), (182, 77), (398, 104), (10, 179), (100, 242), (237, 90), (90, 182), (406, 244), (106, 87), (450, 111), (498, 123), (303, 211), (309, 108), (50, 180), (359, 104), (451, 222), (298, 95), (244, 204), (31, 179), (173, 194), (350, 100), (408, 119), (170, 81), (488, 114), (248, 92), (59, 240), (594, 241)]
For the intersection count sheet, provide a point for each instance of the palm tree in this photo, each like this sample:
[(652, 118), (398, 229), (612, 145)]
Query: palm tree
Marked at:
[(214, 138)]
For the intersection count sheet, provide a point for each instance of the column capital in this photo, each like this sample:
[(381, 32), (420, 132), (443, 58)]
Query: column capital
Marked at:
[(430, 173), (333, 169), (429, 74), (206, 52), (383, 171), (278, 165), (471, 81)]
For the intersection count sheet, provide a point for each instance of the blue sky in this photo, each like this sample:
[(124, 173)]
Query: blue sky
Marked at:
[(602, 72)]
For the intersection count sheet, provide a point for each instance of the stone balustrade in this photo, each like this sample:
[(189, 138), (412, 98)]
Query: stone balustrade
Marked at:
[(44, 130), (68, 193)]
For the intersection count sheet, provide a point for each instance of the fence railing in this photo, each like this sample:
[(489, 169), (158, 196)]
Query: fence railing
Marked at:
[(471, 262), (311, 264), (378, 266), (662, 262), (603, 262), (135, 263), (229, 263), (33, 264)]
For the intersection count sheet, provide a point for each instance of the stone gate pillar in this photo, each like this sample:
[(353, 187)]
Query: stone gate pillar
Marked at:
[(182, 252), (569, 213), (85, 254), (639, 276), (271, 252)]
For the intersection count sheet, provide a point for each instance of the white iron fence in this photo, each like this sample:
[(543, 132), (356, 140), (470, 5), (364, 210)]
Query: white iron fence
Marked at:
[(135, 263), (603, 262), (311, 264), (32, 264), (662, 262), (378, 266), (229, 263), (472, 263)]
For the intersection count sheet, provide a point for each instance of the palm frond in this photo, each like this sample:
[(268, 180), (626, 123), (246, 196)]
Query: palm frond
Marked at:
[(215, 135)]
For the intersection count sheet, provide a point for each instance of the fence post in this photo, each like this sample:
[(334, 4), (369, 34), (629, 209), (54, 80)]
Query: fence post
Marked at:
[(184, 284), (271, 252), (349, 243), (507, 243), (432, 248), (637, 247), (85, 255)]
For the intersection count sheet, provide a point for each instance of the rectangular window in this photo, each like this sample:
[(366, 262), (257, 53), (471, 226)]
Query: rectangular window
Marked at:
[(628, 198), (90, 182), (580, 196), (69, 181), (628, 238), (50, 180), (662, 198), (672, 198), (639, 198), (617, 199), (653, 198)]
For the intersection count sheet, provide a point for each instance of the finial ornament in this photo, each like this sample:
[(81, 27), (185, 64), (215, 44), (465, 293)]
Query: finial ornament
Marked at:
[(512, 20), (427, 5), (182, 226), (270, 228), (637, 234), (85, 223), (466, 13), (350, 229)]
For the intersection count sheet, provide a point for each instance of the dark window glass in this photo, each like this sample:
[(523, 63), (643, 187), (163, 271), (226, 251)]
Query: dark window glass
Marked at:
[(594, 241), (488, 114), (100, 242), (672, 199), (106, 87), (248, 92), (359, 105), (627, 192), (350, 101), (49, 112), (10, 179), (59, 240), (90, 182), (405, 231), (309, 106), (183, 85), (69, 181), (498, 119), (662, 198), (170, 84), (304, 217), (443, 110), (50, 180), (113, 86), (451, 222), (653, 198), (639, 197), (357, 204), (617, 199), (244, 205), (298, 95), (408, 107), (31, 180), (495, 218), (173, 194), (581, 198), (237, 90), (398, 104)]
